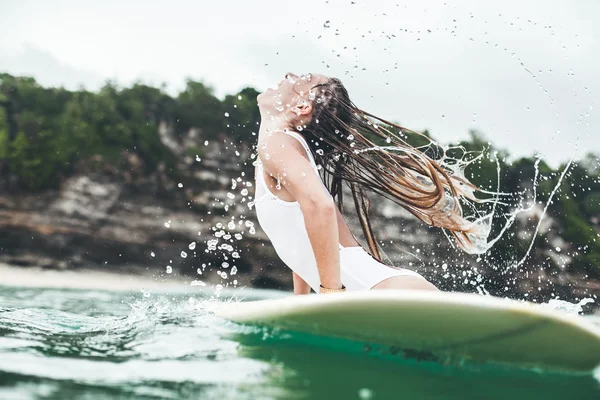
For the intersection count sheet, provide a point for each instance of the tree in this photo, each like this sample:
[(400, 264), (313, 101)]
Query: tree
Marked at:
[(197, 107), (244, 115)]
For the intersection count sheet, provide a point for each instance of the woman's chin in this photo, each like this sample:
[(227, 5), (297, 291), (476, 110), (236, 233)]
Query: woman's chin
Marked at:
[(265, 93), (265, 99)]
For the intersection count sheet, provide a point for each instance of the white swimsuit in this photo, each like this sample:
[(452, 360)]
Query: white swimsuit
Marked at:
[(283, 223)]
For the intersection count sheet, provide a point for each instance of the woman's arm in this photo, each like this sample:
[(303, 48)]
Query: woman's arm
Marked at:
[(300, 285), (285, 158)]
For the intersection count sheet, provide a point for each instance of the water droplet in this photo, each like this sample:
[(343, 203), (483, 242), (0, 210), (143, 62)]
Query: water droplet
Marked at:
[(180, 184), (231, 225), (152, 254), (206, 142), (231, 195), (197, 283), (183, 254), (239, 97), (388, 140), (365, 394), (192, 246), (169, 269), (168, 224), (227, 114), (319, 152), (244, 192), (327, 24), (350, 137), (225, 264), (234, 270)]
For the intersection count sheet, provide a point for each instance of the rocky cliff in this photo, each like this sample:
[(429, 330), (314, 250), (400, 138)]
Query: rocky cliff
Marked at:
[(197, 223)]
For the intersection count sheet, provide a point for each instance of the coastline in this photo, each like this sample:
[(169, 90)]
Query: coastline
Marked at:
[(85, 279)]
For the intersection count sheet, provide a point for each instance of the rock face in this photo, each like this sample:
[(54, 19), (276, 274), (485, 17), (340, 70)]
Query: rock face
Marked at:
[(201, 225), (123, 220)]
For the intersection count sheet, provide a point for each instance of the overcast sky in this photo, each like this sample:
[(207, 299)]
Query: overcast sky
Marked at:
[(523, 72)]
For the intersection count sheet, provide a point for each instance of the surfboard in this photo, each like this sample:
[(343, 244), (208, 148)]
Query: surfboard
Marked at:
[(435, 326)]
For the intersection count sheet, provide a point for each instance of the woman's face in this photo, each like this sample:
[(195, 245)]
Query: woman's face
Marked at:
[(290, 92)]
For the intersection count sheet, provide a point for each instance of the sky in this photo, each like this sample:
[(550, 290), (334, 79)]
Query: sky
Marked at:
[(524, 73)]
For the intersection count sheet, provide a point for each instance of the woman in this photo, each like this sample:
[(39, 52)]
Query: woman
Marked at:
[(309, 127)]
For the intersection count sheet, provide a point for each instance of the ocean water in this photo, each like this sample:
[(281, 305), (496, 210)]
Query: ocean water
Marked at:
[(83, 344)]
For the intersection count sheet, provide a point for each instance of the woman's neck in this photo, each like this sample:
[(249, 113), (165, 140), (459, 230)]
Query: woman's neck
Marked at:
[(267, 126)]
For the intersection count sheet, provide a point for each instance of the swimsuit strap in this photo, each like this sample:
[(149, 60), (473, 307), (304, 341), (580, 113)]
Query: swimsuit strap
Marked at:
[(302, 141)]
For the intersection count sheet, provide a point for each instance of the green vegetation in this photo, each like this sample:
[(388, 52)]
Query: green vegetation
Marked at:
[(46, 132)]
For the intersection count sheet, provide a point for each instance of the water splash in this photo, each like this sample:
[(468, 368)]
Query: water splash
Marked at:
[(480, 222), (567, 307)]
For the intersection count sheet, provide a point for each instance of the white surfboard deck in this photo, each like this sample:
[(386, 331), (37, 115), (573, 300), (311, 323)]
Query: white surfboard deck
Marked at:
[(472, 327)]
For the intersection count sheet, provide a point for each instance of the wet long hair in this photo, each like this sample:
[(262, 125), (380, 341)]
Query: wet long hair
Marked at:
[(357, 148)]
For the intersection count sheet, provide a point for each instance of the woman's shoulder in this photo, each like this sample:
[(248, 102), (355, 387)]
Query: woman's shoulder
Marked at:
[(280, 139), (281, 148)]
